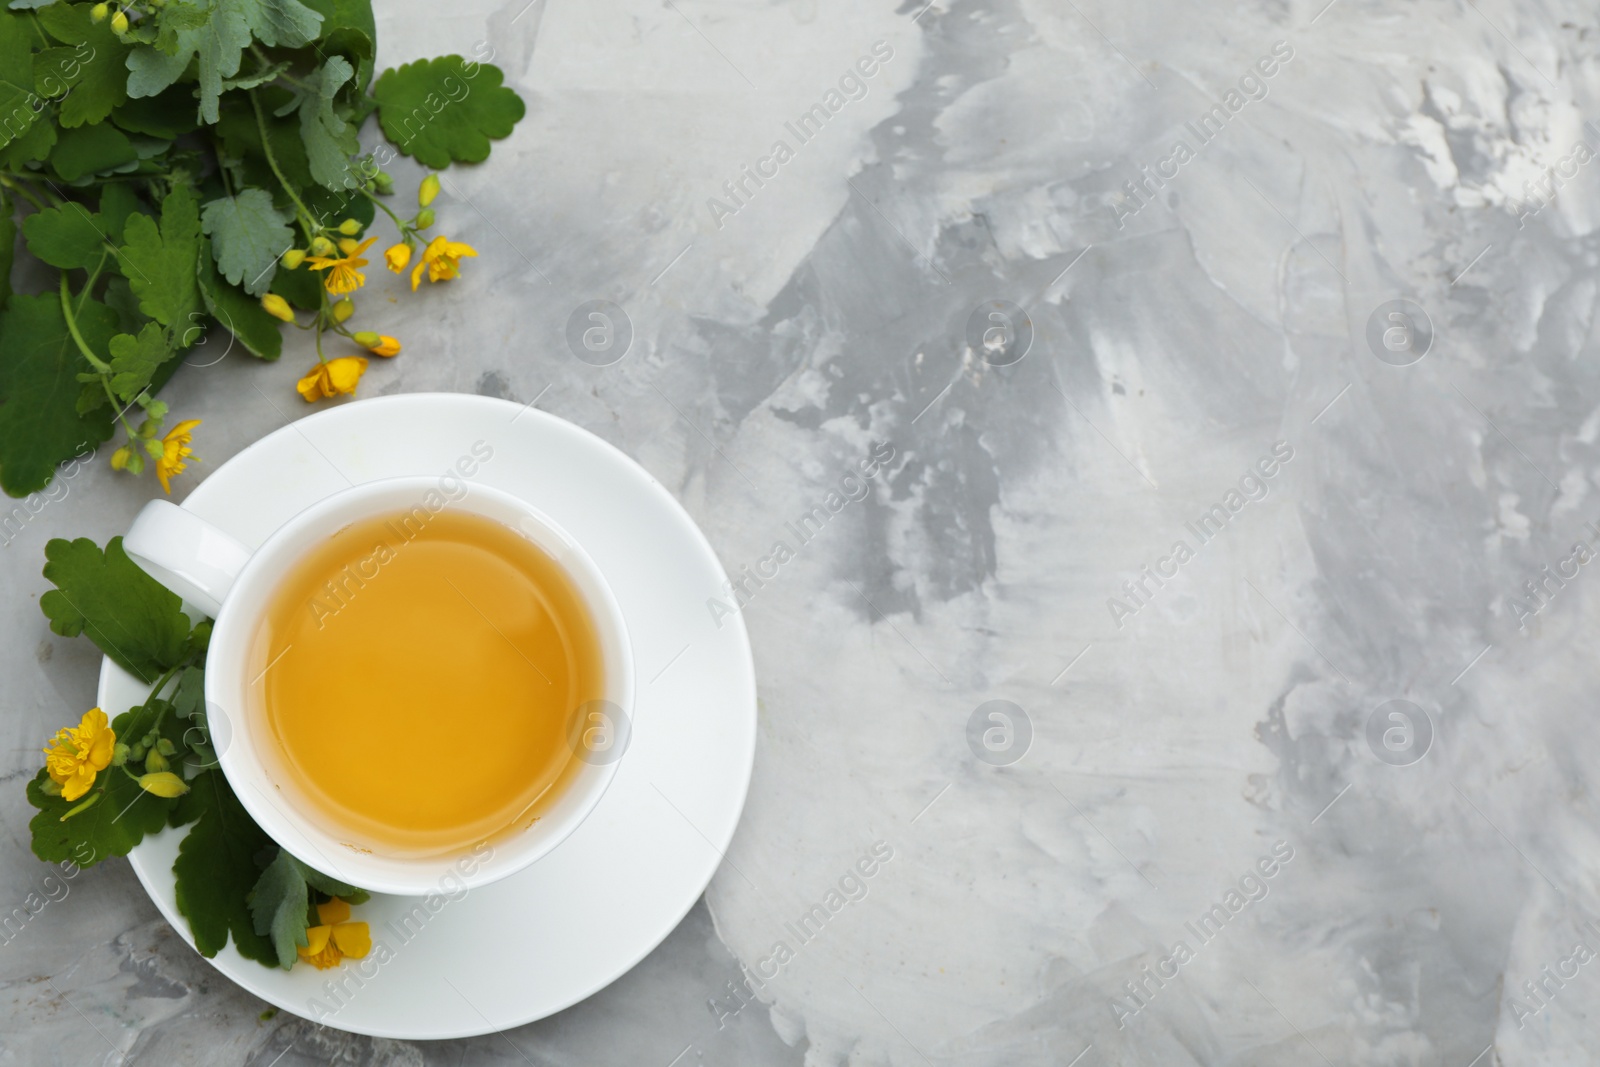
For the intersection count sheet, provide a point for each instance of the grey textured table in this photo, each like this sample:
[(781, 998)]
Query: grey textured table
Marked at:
[(1238, 372)]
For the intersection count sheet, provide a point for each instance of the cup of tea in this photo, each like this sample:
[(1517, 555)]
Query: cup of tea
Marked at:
[(411, 677)]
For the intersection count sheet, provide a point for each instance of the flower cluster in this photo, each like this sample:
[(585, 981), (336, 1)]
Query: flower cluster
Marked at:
[(169, 452), (77, 754), (338, 255)]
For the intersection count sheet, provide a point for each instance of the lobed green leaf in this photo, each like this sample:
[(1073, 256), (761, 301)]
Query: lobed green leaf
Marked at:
[(216, 869), (40, 426), (446, 110), (248, 234), (161, 263)]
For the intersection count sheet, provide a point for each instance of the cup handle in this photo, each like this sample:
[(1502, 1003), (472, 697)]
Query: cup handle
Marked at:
[(185, 553)]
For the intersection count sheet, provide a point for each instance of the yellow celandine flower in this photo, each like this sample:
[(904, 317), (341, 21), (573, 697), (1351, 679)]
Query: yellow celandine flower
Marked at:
[(78, 753), (170, 463), (397, 256), (332, 378), (335, 937), (342, 276), (442, 258)]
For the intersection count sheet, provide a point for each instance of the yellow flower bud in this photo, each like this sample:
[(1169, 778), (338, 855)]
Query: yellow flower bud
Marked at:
[(427, 190), (293, 258), (321, 246), (343, 309), (119, 458), (386, 346), (349, 227), (277, 307), (349, 245), (98, 12), (397, 256), (163, 784), (366, 338), (155, 761), (119, 23)]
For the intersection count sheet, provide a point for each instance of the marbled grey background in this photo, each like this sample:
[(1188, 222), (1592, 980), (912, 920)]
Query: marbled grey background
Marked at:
[(1426, 151)]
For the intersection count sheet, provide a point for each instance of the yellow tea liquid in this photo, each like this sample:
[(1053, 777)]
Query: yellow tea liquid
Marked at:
[(420, 674)]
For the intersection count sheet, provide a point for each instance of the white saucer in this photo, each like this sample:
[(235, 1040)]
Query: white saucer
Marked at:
[(543, 939)]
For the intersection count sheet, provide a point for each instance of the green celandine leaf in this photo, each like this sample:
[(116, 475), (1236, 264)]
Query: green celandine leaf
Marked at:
[(40, 426), (216, 869), (67, 236), (279, 904), (17, 97), (243, 316), (91, 150), (348, 30), (92, 72), (328, 885), (248, 234), (446, 109), (129, 615), (161, 263), (330, 141), (117, 202), (116, 822), (136, 358), (169, 114), (32, 147), (8, 247), (256, 77), (189, 695), (215, 33)]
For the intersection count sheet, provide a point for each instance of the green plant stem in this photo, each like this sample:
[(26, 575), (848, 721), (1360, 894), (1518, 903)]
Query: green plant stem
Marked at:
[(399, 223), (101, 366), (164, 679), (22, 189), (77, 336), (94, 276), (272, 162)]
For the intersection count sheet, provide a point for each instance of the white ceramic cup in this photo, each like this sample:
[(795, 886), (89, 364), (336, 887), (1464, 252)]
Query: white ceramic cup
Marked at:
[(215, 573)]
